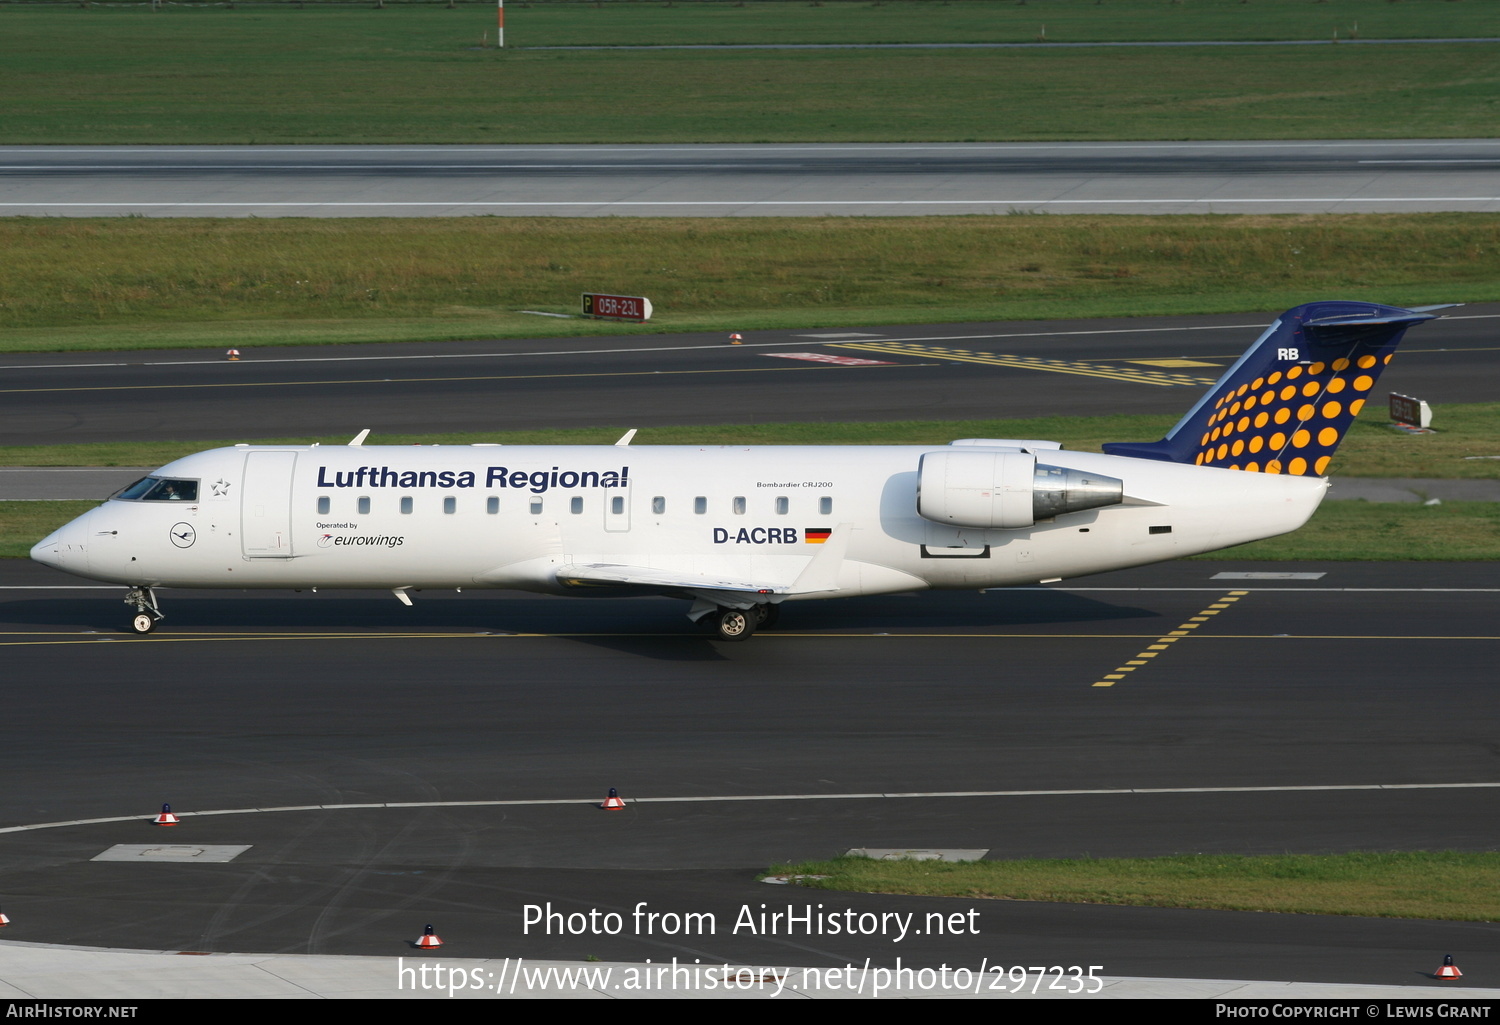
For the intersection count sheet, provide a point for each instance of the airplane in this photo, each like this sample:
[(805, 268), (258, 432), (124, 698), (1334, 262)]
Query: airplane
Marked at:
[(739, 531)]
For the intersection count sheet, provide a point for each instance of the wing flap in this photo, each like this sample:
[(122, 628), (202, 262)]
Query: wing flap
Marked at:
[(654, 579)]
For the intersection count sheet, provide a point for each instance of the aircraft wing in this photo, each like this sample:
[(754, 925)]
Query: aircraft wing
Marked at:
[(650, 579), (819, 575)]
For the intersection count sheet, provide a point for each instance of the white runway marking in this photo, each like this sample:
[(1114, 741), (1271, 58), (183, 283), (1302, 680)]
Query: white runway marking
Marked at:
[(741, 798)]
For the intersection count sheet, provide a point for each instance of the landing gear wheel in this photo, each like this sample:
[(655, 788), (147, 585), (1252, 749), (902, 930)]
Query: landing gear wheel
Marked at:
[(147, 613), (731, 624), (766, 615)]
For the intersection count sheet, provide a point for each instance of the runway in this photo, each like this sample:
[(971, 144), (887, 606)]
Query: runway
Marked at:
[(906, 372), (1345, 708), (1368, 675), (752, 180)]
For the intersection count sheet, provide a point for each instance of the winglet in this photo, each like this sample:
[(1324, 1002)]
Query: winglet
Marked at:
[(822, 571), (1285, 405), (625, 438), (359, 439)]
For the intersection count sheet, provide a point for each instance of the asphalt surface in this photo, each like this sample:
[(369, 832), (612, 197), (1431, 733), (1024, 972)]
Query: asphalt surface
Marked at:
[(931, 371), (753, 180), (1367, 675), (1372, 680)]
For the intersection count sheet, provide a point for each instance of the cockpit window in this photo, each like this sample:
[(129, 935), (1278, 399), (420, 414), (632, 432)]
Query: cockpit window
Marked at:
[(138, 489), (157, 489), (174, 491)]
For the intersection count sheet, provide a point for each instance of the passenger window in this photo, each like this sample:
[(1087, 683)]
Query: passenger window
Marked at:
[(617, 505), (406, 505), (577, 504), (825, 505), (659, 505), (450, 505), (781, 505), (364, 505), (536, 507), (324, 504), (739, 505), (700, 505), (492, 505)]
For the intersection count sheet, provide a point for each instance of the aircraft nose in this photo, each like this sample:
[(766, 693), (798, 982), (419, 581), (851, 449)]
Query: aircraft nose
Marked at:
[(64, 548)]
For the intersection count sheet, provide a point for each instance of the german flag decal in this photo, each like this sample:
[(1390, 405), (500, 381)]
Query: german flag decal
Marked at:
[(816, 535)]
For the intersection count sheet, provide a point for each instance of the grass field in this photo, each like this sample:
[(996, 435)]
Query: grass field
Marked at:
[(417, 74), (143, 283), (1444, 885)]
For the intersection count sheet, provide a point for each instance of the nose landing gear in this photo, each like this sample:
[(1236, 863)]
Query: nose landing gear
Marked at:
[(147, 614)]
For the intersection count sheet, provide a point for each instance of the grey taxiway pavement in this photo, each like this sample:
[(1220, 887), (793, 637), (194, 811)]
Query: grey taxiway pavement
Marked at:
[(753, 180), (921, 371), (1346, 709)]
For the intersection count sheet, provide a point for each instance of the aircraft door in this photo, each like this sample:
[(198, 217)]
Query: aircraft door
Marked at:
[(266, 505), (617, 510), (941, 541)]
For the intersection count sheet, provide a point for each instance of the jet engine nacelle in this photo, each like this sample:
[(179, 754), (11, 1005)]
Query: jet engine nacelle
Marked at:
[(1006, 489)]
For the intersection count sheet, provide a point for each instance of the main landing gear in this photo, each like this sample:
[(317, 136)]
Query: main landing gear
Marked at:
[(147, 614), (725, 624)]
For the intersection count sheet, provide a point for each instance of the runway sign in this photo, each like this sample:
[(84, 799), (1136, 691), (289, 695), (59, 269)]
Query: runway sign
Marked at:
[(1410, 411), (616, 307)]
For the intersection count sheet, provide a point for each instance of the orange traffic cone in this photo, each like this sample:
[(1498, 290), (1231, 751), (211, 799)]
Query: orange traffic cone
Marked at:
[(233, 354), (4, 919), (166, 818), (429, 940), (736, 339), (1449, 969), (613, 801)]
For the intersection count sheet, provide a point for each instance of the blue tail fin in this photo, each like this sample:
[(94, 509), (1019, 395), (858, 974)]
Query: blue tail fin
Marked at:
[(1289, 400)]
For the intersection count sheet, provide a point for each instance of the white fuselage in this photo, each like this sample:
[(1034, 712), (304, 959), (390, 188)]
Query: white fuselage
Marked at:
[(514, 516)]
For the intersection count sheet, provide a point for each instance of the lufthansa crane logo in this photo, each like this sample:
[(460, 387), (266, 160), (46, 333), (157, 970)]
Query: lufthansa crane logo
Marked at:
[(183, 535)]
